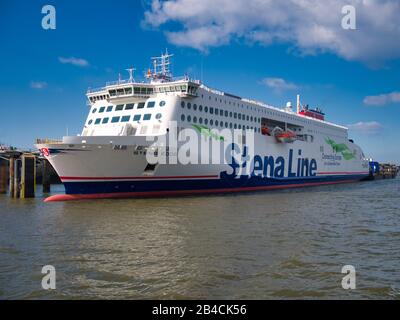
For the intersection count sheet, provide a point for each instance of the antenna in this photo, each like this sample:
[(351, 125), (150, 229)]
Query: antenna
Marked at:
[(161, 66), (131, 71)]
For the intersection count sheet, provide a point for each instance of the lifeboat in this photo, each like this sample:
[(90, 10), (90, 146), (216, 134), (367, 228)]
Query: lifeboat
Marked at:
[(284, 136), (265, 131)]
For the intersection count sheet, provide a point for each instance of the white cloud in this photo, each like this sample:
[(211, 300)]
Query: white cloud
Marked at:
[(382, 99), (74, 61), (311, 26), (371, 127), (38, 84), (279, 84)]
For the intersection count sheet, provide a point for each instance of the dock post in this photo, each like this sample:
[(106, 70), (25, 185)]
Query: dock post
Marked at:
[(17, 177), (11, 177), (28, 176), (3, 176), (46, 176)]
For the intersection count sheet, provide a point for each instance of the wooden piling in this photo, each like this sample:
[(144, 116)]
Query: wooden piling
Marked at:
[(3, 176), (11, 176), (17, 178), (28, 176), (46, 171)]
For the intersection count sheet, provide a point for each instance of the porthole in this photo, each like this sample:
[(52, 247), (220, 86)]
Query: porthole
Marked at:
[(200, 120), (162, 103), (189, 118), (195, 107), (200, 108), (211, 122), (183, 117), (94, 110), (206, 109), (182, 104), (90, 121), (205, 121), (195, 119), (189, 106), (216, 123), (158, 116)]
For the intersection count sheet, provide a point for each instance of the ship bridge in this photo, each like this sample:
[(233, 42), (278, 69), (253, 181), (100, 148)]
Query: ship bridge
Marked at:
[(160, 80)]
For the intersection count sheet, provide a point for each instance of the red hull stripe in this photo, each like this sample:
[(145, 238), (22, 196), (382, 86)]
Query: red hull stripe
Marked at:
[(355, 172), (140, 178), (68, 197)]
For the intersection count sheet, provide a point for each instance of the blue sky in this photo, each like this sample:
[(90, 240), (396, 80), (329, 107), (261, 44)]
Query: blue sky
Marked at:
[(353, 75)]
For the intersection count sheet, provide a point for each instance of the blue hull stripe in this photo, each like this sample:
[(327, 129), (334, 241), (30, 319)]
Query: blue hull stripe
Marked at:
[(93, 187)]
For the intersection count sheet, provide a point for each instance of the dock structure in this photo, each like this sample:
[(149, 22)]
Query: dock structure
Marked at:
[(20, 172), (382, 170)]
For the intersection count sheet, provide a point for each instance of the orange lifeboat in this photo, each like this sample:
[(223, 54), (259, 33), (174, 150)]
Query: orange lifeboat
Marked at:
[(282, 136), (265, 131)]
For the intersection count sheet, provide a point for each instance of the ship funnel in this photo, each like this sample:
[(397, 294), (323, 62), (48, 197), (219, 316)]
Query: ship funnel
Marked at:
[(289, 106)]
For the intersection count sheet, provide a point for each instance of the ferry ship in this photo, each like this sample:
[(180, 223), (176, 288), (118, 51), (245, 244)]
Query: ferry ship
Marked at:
[(109, 159)]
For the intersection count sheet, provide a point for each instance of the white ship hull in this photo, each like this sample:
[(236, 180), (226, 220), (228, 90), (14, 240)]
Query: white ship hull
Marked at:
[(98, 170)]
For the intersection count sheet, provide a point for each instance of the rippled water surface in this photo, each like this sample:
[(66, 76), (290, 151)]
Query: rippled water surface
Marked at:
[(268, 245)]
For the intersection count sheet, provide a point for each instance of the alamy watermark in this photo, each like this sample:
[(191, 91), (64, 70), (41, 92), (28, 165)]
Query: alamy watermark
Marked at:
[(49, 280), (349, 20), (349, 280), (49, 20)]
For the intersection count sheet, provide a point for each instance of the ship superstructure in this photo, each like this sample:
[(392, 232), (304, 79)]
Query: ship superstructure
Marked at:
[(292, 148)]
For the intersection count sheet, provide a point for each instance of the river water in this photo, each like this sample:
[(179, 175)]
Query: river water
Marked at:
[(267, 245)]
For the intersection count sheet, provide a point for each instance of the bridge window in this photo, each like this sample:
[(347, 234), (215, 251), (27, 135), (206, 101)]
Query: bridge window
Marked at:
[(140, 105), (136, 117), (129, 106), (147, 116), (119, 107), (151, 104), (115, 119), (102, 109), (125, 118), (109, 108), (105, 120), (97, 121)]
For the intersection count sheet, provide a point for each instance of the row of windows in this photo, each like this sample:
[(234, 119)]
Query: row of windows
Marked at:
[(281, 114), (220, 112), (217, 123), (128, 106), (136, 118)]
